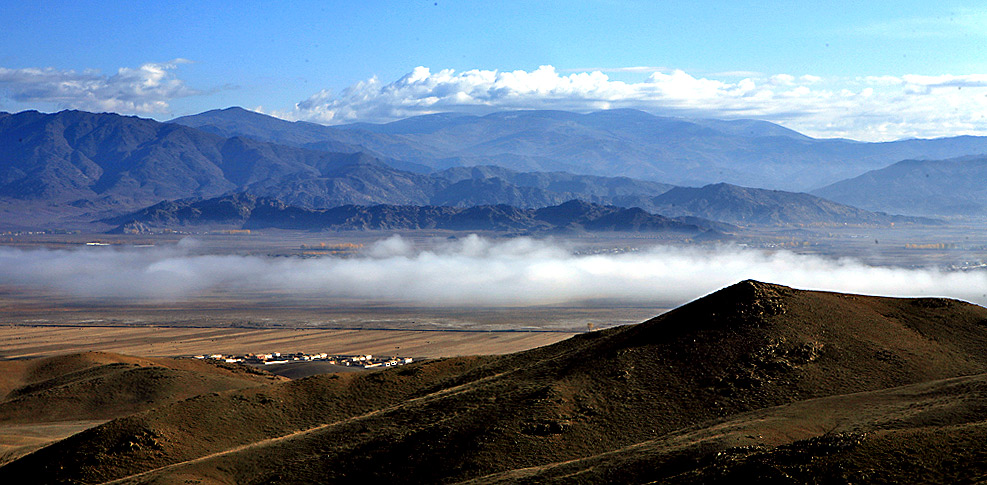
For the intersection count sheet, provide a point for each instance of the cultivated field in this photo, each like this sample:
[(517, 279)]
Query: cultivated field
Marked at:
[(19, 341)]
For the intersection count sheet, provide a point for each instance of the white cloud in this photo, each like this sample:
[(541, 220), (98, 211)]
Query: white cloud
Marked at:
[(144, 89), (783, 79), (874, 108)]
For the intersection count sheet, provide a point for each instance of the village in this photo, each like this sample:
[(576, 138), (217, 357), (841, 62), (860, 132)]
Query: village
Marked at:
[(358, 361)]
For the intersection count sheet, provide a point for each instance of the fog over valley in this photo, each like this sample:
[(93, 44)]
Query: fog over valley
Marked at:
[(470, 271)]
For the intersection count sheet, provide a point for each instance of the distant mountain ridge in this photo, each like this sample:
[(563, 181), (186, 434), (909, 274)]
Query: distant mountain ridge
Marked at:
[(250, 212), (744, 205), (718, 207), (933, 187), (619, 142)]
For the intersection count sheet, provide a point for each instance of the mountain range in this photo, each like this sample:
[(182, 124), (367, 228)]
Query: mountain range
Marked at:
[(717, 203), (243, 211), (72, 167), (617, 142), (75, 165), (755, 383)]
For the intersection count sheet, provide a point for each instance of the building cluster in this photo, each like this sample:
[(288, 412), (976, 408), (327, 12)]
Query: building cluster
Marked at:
[(361, 361), (613, 250)]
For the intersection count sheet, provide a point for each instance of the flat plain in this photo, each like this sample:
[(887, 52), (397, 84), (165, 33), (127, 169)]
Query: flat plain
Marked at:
[(34, 322), (22, 341)]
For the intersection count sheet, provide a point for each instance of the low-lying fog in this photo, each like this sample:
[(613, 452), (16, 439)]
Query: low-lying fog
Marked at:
[(471, 271)]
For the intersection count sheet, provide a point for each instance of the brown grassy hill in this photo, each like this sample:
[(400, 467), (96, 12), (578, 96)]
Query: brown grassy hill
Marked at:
[(744, 348), (45, 400), (99, 385), (220, 421)]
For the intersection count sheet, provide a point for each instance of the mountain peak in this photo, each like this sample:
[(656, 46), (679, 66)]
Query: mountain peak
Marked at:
[(748, 302)]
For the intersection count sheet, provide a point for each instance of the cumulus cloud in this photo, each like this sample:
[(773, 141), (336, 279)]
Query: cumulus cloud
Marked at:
[(469, 272), (144, 89), (875, 108)]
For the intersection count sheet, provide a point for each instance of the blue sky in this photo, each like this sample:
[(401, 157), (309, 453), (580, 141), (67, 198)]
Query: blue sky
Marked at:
[(864, 70)]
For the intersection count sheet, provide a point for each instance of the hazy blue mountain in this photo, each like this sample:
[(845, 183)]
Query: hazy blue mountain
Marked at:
[(585, 186), (750, 128), (929, 187), (494, 190), (608, 143), (743, 205), (237, 121), (355, 183)]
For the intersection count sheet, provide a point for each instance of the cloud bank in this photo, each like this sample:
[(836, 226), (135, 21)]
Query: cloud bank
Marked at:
[(145, 89), (874, 108), (869, 108), (469, 272)]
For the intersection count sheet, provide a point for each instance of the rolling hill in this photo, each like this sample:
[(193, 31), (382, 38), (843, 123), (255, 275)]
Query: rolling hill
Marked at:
[(755, 381)]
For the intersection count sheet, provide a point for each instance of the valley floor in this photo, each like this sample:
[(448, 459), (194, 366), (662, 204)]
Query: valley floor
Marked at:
[(23, 341)]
